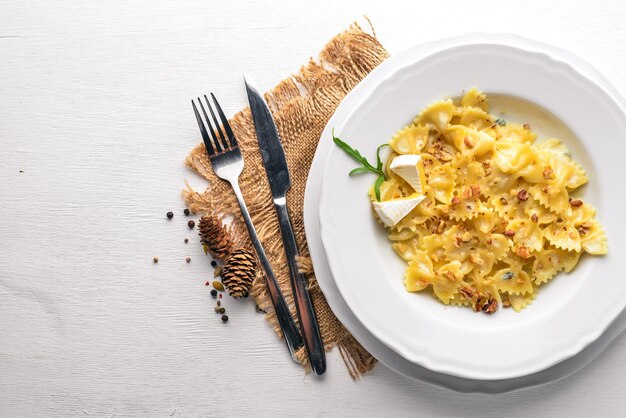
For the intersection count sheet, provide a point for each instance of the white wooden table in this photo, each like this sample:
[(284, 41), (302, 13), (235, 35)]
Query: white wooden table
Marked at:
[(95, 122)]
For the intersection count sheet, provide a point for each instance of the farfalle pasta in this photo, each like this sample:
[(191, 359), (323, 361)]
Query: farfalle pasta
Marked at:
[(498, 217)]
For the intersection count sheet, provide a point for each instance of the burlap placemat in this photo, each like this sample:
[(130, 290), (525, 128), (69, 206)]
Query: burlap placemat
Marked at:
[(302, 105)]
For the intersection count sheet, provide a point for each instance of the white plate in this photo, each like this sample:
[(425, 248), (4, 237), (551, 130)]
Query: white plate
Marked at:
[(325, 280), (455, 341)]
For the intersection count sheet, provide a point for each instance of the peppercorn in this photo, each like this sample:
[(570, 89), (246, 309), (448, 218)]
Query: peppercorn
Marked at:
[(188, 259), (219, 303), (217, 309), (213, 292), (170, 215), (221, 295), (187, 212), (186, 240), (206, 283), (191, 224), (221, 310), (156, 259), (213, 263), (224, 318), (246, 294)]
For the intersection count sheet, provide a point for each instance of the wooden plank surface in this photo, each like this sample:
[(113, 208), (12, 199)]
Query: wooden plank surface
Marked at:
[(94, 100)]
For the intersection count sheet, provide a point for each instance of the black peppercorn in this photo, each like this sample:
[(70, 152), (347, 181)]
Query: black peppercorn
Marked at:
[(225, 318), (187, 212), (188, 259), (186, 240), (170, 215), (214, 293), (222, 310), (213, 263), (191, 224)]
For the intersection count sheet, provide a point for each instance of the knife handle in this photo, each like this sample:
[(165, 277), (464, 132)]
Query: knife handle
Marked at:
[(304, 306), (285, 320)]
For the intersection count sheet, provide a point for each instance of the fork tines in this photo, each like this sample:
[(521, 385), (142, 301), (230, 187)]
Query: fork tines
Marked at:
[(219, 142)]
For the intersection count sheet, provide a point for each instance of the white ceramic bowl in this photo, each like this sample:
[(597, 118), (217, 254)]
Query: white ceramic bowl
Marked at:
[(561, 322)]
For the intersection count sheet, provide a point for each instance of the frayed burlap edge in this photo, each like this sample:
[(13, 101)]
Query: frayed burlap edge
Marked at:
[(301, 106)]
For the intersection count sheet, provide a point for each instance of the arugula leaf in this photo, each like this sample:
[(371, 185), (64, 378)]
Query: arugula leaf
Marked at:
[(379, 181), (365, 165)]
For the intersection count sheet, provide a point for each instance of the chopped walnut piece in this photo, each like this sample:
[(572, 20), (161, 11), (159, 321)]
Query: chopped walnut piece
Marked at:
[(475, 190), (548, 173), (503, 201), (455, 201), (506, 303), (526, 126), (466, 193), (509, 233), (534, 218), (467, 293), (490, 306), (523, 252), (576, 203), (476, 260), (481, 300), (449, 275), (584, 228), (545, 189), (522, 195), (440, 227)]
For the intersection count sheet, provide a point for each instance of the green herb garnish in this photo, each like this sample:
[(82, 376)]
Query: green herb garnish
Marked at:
[(500, 122), (366, 166)]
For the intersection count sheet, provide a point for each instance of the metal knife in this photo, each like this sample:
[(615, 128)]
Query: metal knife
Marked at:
[(277, 171)]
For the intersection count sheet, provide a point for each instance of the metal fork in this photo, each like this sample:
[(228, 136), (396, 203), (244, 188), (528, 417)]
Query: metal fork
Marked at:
[(227, 163)]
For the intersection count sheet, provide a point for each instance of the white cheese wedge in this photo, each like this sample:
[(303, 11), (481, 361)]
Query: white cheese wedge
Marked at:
[(409, 167), (391, 212)]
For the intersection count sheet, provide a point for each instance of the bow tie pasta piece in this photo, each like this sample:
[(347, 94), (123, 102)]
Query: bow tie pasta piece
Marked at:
[(410, 140), (473, 117), (511, 157), (437, 115), (512, 280), (419, 275), (551, 261), (528, 237), (593, 238), (552, 198), (440, 183), (475, 98), (519, 302), (471, 142), (486, 221), (448, 280), (496, 182), (465, 208), (563, 235), (468, 172), (497, 221)]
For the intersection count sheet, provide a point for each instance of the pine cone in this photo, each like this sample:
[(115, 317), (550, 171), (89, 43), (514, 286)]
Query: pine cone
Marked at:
[(238, 273), (215, 236)]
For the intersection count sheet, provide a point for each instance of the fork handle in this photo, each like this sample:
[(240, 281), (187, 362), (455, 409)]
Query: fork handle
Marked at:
[(304, 306), (285, 320)]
